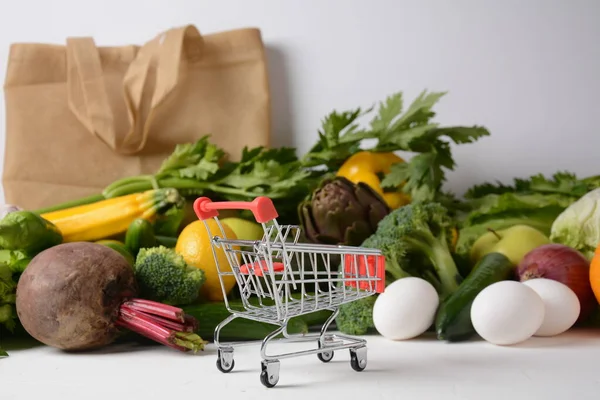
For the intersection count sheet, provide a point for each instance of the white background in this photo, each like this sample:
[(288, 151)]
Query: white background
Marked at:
[(527, 70)]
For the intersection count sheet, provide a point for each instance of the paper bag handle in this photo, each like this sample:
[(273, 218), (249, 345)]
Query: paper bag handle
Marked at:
[(87, 96), (150, 78)]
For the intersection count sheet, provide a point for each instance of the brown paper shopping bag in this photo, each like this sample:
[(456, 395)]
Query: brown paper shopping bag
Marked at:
[(79, 117)]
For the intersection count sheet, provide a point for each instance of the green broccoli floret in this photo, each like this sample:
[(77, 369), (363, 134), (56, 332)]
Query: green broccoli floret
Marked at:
[(416, 240), (356, 318), (163, 275)]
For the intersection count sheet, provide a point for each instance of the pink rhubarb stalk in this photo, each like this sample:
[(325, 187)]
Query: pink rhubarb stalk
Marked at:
[(162, 323)]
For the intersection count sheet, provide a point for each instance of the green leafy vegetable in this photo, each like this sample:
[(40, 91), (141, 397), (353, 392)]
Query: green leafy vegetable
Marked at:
[(425, 173), (198, 160), (197, 169), (578, 226), (15, 260), (8, 288), (27, 231), (339, 138), (513, 205), (395, 129), (423, 176), (512, 209), (536, 201), (266, 172), (562, 182)]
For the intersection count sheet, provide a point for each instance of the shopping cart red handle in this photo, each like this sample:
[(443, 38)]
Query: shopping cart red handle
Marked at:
[(262, 208)]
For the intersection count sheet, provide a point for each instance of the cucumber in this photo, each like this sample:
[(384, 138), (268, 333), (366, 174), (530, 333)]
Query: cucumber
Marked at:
[(140, 234), (453, 318), (120, 247), (210, 314)]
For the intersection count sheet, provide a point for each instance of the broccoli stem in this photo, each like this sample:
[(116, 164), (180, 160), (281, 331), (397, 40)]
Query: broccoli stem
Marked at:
[(395, 270), (446, 268), (439, 254), (433, 279)]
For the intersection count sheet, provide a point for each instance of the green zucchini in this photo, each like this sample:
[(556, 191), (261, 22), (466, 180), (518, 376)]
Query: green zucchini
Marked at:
[(119, 247), (140, 235), (453, 318), (210, 314)]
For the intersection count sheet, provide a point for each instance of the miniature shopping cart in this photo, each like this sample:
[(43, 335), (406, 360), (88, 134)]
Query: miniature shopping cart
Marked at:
[(279, 278)]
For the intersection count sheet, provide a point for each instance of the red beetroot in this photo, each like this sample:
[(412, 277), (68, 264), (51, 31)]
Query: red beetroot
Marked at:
[(563, 264), (76, 296)]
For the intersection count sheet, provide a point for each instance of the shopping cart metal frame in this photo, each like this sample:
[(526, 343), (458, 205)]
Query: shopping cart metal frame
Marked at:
[(264, 271)]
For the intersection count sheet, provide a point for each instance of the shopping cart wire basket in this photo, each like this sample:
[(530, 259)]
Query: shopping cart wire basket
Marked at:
[(279, 278)]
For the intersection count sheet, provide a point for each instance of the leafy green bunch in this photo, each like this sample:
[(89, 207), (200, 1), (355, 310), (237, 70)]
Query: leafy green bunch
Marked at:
[(535, 201), (12, 264), (394, 128)]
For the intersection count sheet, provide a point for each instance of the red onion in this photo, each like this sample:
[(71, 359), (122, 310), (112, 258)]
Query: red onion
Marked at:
[(563, 264)]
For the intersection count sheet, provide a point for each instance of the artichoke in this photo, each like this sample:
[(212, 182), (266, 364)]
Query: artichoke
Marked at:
[(340, 212)]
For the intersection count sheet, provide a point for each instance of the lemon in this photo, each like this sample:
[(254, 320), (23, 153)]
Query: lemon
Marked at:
[(244, 229), (194, 245)]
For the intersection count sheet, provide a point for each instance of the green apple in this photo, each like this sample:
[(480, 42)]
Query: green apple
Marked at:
[(514, 242), (244, 229)]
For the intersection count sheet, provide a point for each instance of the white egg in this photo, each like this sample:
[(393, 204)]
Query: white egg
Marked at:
[(507, 312), (406, 309), (561, 304)]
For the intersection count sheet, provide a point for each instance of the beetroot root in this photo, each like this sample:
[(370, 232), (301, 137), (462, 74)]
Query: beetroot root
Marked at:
[(77, 296)]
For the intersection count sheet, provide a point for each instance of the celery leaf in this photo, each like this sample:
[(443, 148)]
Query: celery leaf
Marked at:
[(197, 160)]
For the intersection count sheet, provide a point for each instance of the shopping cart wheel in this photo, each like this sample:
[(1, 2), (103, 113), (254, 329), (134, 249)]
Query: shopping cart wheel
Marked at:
[(358, 358), (269, 376), (325, 356), (225, 362)]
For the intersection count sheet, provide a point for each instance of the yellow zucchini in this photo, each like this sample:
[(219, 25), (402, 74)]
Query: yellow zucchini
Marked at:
[(111, 217)]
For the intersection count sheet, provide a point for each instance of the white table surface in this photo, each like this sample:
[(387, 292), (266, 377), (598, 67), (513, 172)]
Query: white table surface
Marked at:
[(563, 367)]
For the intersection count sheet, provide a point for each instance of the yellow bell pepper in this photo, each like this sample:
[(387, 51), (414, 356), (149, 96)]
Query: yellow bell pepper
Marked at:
[(367, 166)]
